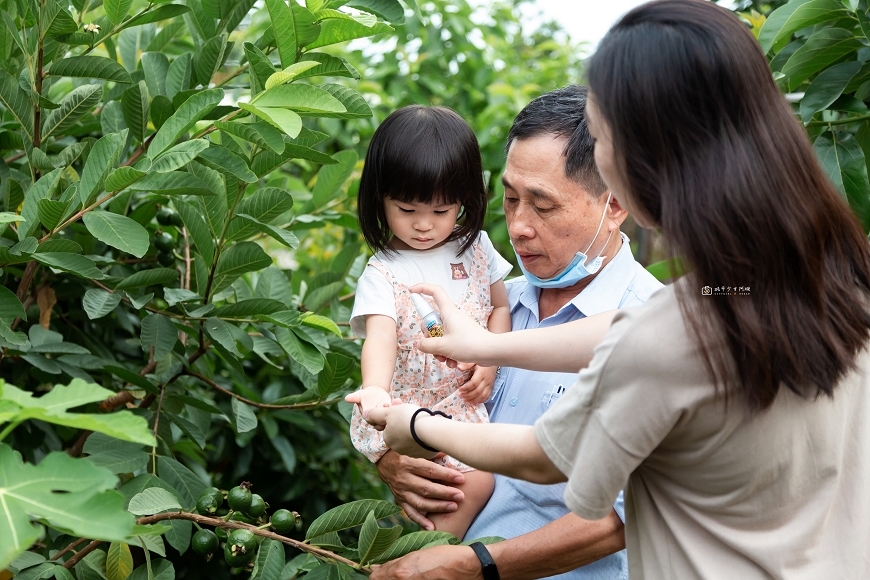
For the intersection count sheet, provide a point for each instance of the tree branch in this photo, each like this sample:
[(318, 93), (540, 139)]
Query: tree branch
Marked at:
[(217, 387), (219, 523), (81, 554), (68, 548)]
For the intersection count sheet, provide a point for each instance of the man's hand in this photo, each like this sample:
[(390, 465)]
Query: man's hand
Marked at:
[(478, 388), (416, 488), (437, 563), (369, 398)]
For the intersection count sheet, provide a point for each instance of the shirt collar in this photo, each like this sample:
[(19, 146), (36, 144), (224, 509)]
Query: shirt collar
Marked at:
[(604, 293)]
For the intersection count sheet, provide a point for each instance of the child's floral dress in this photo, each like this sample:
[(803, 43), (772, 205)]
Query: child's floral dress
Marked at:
[(420, 378)]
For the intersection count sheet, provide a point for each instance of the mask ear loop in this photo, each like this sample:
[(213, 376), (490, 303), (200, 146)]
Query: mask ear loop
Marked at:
[(601, 223)]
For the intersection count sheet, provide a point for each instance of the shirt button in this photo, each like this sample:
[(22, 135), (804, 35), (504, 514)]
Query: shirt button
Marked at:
[(514, 402)]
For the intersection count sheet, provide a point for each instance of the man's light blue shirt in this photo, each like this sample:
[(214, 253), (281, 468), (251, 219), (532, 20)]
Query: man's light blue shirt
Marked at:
[(521, 397)]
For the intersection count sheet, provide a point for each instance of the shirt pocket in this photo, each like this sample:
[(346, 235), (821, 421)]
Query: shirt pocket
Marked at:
[(552, 394)]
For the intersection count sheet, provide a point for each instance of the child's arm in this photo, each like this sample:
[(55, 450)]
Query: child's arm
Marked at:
[(479, 387), (378, 363)]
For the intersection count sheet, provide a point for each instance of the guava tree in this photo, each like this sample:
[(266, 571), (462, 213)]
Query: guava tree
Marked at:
[(160, 163)]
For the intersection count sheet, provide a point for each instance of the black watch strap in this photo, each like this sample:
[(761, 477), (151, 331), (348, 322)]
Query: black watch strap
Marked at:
[(490, 571)]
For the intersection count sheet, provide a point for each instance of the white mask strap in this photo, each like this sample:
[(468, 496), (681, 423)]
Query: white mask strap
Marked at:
[(600, 223)]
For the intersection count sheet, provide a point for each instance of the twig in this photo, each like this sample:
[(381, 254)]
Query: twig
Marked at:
[(124, 397), (79, 445), (218, 522), (24, 285), (81, 554), (68, 548), (156, 424), (217, 387), (186, 259)]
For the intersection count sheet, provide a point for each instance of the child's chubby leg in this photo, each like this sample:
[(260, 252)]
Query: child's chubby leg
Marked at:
[(477, 488)]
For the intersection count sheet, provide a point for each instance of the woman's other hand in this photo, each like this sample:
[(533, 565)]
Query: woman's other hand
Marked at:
[(395, 422)]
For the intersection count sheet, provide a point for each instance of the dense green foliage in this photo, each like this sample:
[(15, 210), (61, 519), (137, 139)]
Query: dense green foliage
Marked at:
[(177, 227), (819, 55)]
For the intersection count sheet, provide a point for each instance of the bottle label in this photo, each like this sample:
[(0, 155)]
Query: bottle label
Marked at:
[(434, 329)]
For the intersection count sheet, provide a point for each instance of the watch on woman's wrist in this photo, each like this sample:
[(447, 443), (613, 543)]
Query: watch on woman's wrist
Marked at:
[(487, 564)]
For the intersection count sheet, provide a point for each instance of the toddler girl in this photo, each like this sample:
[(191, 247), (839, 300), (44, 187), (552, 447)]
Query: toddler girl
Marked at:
[(421, 207)]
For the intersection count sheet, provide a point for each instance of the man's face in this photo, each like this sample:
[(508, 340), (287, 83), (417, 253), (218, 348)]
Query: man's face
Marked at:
[(550, 218)]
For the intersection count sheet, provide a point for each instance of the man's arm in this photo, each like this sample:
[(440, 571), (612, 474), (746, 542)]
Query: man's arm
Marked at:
[(560, 546)]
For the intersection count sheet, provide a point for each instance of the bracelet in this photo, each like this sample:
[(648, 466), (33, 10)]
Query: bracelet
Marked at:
[(487, 564), (414, 432)]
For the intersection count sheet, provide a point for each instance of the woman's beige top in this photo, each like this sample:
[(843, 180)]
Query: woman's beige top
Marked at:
[(710, 493)]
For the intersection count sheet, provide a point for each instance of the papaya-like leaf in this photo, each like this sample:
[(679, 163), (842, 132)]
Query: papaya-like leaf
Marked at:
[(70, 494)]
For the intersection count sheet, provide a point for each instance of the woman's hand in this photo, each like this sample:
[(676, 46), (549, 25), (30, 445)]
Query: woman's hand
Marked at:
[(464, 339), (395, 422)]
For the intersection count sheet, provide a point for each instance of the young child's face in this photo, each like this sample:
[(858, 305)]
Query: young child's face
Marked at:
[(419, 226)]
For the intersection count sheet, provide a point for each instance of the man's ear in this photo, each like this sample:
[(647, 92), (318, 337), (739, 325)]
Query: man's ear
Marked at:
[(616, 212)]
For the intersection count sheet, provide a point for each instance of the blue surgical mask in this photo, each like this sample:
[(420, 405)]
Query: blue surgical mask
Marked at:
[(578, 269)]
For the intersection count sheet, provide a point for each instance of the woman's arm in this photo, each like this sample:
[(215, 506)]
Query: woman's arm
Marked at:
[(562, 348), (478, 388), (512, 450)]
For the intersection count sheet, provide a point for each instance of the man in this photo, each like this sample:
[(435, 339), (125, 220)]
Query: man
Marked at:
[(557, 207)]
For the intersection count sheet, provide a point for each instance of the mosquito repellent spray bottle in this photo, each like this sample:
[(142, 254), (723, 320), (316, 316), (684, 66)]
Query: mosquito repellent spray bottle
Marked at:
[(431, 321)]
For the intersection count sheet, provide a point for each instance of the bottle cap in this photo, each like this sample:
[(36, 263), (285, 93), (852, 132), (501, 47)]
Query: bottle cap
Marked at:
[(423, 307)]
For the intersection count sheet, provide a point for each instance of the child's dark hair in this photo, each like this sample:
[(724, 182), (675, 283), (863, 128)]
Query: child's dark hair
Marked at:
[(422, 155)]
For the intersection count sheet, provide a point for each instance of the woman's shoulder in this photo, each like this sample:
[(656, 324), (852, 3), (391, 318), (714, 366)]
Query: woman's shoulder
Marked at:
[(653, 335)]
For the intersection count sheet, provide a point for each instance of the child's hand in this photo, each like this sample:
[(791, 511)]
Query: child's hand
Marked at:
[(479, 387), (370, 397)]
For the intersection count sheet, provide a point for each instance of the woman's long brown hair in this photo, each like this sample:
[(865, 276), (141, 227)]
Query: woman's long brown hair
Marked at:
[(712, 153)]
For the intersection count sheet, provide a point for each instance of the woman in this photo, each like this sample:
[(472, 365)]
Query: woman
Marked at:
[(738, 421)]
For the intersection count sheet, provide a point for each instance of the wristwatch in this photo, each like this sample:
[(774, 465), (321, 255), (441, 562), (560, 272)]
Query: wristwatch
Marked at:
[(490, 571)]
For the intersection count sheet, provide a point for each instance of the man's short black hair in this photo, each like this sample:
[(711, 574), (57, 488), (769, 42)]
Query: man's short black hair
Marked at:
[(563, 113)]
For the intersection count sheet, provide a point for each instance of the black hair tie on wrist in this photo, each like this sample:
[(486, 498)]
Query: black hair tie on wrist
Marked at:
[(414, 432)]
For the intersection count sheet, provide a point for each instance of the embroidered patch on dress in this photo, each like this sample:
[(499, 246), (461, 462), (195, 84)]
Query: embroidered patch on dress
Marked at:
[(458, 271)]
